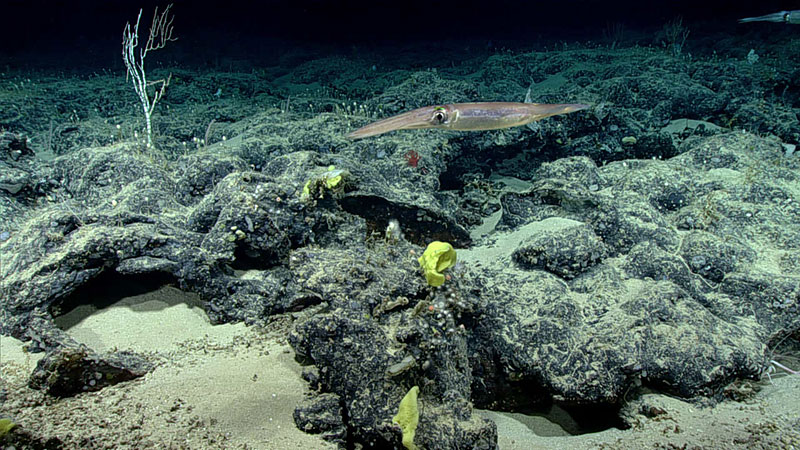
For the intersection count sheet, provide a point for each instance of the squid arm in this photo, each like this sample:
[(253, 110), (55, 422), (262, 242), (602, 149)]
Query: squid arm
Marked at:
[(467, 117)]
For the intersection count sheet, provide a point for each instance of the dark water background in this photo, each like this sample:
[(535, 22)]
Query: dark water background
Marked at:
[(75, 35)]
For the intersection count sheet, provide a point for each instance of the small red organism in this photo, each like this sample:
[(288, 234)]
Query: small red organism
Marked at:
[(413, 158)]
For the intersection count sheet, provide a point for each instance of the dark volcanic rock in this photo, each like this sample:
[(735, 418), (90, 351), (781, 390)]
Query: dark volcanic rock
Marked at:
[(69, 371)]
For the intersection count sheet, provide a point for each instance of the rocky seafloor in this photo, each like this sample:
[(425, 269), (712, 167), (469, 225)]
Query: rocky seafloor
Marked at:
[(650, 243)]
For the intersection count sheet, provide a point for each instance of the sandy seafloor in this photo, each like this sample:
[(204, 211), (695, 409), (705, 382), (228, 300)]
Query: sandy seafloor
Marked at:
[(233, 386)]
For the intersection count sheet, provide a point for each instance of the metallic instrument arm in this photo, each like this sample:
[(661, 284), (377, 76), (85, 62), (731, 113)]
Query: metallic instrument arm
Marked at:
[(790, 17)]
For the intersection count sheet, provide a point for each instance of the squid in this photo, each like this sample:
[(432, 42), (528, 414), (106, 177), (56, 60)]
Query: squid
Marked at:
[(467, 117), (790, 17)]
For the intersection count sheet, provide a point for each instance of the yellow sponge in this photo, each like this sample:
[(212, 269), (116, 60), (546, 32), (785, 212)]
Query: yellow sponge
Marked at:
[(437, 257), (408, 417)]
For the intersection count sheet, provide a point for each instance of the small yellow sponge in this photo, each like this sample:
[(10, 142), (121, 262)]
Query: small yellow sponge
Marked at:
[(437, 257), (408, 417)]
